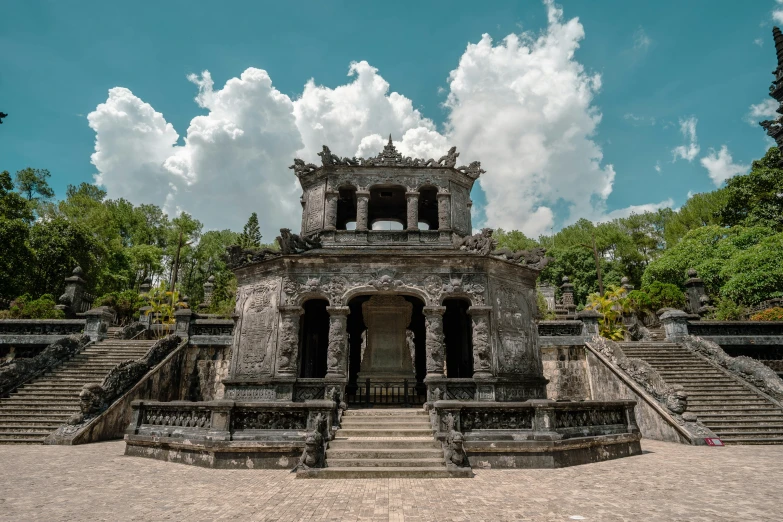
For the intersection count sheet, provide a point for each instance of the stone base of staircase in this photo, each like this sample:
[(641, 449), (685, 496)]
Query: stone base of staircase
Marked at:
[(385, 443)]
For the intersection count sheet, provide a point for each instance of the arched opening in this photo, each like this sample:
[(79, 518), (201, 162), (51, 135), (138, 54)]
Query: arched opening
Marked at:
[(387, 224), (428, 207), (313, 339), (458, 332), (388, 204), (346, 208), (356, 326)]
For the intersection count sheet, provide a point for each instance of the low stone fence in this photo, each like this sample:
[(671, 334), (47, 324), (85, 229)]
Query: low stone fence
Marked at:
[(538, 433), (211, 331), (569, 332), (211, 434), (38, 331)]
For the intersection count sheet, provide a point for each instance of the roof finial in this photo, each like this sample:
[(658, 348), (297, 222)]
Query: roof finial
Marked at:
[(390, 140)]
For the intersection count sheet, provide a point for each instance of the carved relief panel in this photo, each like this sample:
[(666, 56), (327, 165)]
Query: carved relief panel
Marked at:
[(256, 328), (459, 209), (516, 330), (313, 216)]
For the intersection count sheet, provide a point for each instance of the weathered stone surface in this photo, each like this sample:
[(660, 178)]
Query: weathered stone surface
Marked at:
[(18, 371)]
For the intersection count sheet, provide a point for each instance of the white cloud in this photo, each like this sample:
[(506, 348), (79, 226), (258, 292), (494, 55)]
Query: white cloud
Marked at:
[(523, 106), (759, 41), (635, 209), (637, 120), (658, 167), (641, 42), (766, 109), (777, 13), (691, 149), (721, 166)]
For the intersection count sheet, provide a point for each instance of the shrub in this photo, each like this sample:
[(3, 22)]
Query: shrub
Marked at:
[(770, 314), (544, 313), (126, 304), (611, 305), (664, 295), (727, 310), (25, 307)]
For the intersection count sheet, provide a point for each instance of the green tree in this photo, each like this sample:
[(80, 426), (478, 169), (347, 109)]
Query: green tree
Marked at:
[(700, 210), (15, 261), (756, 199), (514, 240), (251, 234), (34, 184)]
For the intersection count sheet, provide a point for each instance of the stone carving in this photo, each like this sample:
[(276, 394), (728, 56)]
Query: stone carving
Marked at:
[(185, 417), (560, 328), (364, 345), (586, 418), (751, 370), (327, 158), (515, 327), (482, 243), (496, 419), (534, 258), (295, 244), (252, 393), (20, 370), (384, 281), (254, 334), (96, 398), (338, 340), (453, 451), (237, 257), (461, 210), (409, 340), (387, 318), (482, 352), (433, 285), (265, 419), (41, 327), (300, 167), (434, 342), (313, 455), (458, 285), (473, 170), (289, 341)]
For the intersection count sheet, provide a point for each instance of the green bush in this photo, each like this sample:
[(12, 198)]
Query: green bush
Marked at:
[(126, 304), (770, 314), (727, 310), (664, 295), (544, 313), (25, 307)]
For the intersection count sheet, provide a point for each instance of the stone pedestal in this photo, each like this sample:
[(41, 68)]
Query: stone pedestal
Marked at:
[(694, 289), (590, 319), (675, 324), (386, 355)]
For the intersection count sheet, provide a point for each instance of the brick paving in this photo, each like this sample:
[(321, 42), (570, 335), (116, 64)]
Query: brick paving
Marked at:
[(669, 482)]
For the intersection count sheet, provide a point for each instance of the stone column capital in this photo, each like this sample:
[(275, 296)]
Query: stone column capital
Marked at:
[(434, 310), (362, 193), (291, 309), (412, 194), (338, 310), (478, 311)]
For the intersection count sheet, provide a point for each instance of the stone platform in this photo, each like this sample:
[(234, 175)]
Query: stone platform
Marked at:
[(667, 482)]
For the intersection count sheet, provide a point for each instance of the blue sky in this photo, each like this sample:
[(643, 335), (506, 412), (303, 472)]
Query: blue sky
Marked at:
[(660, 64)]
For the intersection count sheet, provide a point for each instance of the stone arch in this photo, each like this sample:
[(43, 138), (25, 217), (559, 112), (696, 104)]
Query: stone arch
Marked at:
[(387, 203), (313, 338), (302, 298), (401, 290), (428, 205), (458, 337), (457, 295)]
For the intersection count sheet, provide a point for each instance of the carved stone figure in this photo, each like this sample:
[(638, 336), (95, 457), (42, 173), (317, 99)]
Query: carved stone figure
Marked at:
[(409, 340), (327, 158), (313, 454), (289, 341), (434, 343), (482, 243), (300, 167), (295, 244), (473, 170), (481, 349)]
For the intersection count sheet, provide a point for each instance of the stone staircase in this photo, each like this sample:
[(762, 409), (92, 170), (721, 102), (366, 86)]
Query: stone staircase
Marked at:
[(39, 407), (733, 410), (385, 443)]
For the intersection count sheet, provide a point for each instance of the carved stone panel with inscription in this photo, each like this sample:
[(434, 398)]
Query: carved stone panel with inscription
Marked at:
[(514, 312), (256, 329)]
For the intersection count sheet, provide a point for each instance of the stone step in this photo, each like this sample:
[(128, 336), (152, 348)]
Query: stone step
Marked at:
[(385, 412), (747, 430), (394, 454), (755, 416), (30, 402), (385, 432), (729, 408), (376, 473), (18, 441), (43, 410), (34, 417), (23, 427), (385, 463), (751, 440), (386, 444), (420, 419), (21, 394), (380, 422), (726, 400), (23, 435)]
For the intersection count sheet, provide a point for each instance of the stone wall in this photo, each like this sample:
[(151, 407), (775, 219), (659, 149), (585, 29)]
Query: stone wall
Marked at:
[(203, 371), (566, 369)]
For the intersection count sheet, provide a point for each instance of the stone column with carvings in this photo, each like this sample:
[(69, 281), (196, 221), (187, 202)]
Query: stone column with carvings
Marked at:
[(435, 346), (362, 202), (444, 211), (330, 221), (482, 348), (413, 210), (288, 341), (338, 342)]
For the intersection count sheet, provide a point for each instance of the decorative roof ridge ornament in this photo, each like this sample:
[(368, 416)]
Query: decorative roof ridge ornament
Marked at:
[(774, 127), (388, 157)]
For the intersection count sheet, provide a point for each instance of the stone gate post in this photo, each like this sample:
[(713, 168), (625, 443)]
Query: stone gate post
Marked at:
[(675, 324), (338, 342), (435, 348)]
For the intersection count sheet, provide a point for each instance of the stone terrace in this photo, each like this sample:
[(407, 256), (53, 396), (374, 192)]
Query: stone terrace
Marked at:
[(669, 482)]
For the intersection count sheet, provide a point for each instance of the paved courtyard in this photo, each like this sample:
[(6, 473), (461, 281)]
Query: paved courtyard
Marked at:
[(669, 482)]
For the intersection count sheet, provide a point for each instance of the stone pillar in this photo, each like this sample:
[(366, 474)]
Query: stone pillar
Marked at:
[(362, 202), (590, 319), (694, 289), (675, 324), (413, 210), (435, 346), (336, 355), (288, 341), (182, 319), (145, 286), (71, 300), (209, 287), (567, 290), (482, 348), (97, 322), (330, 221), (626, 285), (444, 211)]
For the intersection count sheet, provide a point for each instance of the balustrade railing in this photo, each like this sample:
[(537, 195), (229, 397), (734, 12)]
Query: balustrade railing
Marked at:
[(386, 393)]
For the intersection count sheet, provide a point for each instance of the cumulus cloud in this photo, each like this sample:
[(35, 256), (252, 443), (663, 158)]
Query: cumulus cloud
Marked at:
[(641, 42), (524, 106), (720, 165), (691, 149), (658, 167), (635, 209), (777, 13), (766, 109)]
